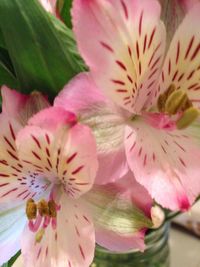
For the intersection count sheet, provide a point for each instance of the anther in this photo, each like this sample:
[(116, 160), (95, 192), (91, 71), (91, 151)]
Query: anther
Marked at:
[(43, 208), (31, 209), (163, 97), (188, 117), (176, 102), (52, 209)]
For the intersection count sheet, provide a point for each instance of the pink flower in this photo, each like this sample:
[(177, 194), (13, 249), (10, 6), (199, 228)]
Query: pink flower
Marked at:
[(154, 104), (48, 166), (187, 4)]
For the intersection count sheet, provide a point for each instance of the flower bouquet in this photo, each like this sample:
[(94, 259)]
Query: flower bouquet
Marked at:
[(99, 129)]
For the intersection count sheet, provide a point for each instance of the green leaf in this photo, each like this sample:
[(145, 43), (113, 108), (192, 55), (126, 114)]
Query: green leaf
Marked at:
[(68, 39), (64, 9), (38, 52), (2, 41), (7, 75), (12, 260)]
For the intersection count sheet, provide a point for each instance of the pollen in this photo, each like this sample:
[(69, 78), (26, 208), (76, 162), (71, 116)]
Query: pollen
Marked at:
[(52, 209), (43, 208), (31, 209)]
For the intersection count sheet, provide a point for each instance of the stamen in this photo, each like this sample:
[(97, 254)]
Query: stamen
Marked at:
[(43, 208), (188, 117), (176, 102), (163, 97), (52, 209), (39, 235), (31, 209)]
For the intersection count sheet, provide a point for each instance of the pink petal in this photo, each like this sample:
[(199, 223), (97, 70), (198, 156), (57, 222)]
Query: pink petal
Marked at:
[(14, 185), (182, 67), (135, 192), (65, 154), (12, 222), (80, 94), (187, 4), (21, 107), (71, 244), (53, 118), (105, 201), (126, 51), (166, 163), (82, 97), (116, 243)]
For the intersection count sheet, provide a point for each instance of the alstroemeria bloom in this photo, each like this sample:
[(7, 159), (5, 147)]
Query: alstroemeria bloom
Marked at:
[(47, 171), (123, 43), (187, 4)]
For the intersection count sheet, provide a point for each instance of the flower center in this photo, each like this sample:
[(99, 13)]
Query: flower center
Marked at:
[(41, 215), (175, 102)]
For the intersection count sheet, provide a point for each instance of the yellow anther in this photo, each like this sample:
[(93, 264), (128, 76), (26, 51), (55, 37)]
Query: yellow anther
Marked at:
[(31, 209), (43, 208), (189, 116), (176, 102), (39, 235), (163, 97), (52, 209)]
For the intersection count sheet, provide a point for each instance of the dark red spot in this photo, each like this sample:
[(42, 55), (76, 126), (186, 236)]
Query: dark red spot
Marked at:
[(82, 252), (175, 75), (145, 44), (118, 82), (4, 175), (9, 192), (195, 52), (19, 195), (77, 170), (182, 162), (189, 47), (181, 77), (9, 143), (169, 67), (47, 152), (12, 155), (151, 37), (177, 52), (47, 138), (36, 155), (70, 159), (36, 141), (130, 79), (107, 47), (12, 131), (121, 65), (140, 23), (121, 91), (124, 9), (190, 75), (138, 50), (2, 185)]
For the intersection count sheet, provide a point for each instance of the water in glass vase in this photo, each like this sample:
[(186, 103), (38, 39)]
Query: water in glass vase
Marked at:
[(155, 255)]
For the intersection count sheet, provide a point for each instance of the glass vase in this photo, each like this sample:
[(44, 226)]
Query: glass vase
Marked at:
[(155, 255)]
